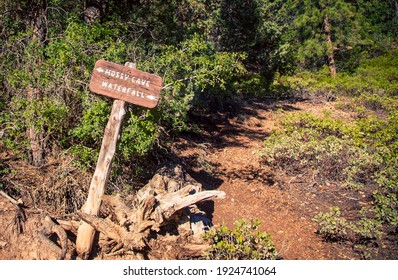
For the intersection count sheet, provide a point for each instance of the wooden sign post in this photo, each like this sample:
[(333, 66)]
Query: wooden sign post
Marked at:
[(126, 84)]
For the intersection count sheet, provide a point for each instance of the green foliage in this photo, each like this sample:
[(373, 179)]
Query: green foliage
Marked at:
[(239, 22), (308, 33), (386, 207), (57, 75), (374, 80), (333, 227), (358, 30), (244, 242), (381, 19), (46, 115), (205, 51), (191, 69), (355, 154), (85, 156), (59, 72), (138, 135), (12, 133), (256, 28), (92, 124), (327, 146)]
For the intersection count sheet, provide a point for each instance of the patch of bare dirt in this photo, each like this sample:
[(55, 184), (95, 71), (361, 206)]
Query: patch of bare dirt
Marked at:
[(225, 157)]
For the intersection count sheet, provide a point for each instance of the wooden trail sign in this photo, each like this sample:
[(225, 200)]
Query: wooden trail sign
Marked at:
[(125, 83)]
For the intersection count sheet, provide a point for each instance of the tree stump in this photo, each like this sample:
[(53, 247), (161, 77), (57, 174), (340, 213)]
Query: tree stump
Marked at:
[(165, 208)]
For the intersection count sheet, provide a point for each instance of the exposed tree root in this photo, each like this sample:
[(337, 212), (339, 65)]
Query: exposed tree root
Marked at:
[(164, 204), (31, 235), (161, 221)]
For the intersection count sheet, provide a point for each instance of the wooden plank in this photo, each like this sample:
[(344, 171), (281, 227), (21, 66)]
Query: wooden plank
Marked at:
[(124, 83)]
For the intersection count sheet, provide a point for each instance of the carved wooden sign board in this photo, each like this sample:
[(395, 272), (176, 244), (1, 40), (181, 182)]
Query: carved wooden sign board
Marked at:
[(125, 83)]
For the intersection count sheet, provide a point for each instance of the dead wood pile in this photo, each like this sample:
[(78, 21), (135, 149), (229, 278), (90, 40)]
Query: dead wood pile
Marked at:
[(160, 221)]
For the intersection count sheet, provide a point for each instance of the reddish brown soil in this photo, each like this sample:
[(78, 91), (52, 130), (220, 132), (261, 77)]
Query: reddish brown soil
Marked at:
[(224, 156)]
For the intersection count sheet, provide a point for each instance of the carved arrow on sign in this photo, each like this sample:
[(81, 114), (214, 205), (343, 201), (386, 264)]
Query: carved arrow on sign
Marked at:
[(124, 83), (151, 97)]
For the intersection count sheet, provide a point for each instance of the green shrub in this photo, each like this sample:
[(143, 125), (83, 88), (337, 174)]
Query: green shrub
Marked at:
[(360, 153), (366, 229), (47, 115), (70, 115), (84, 156), (333, 227), (324, 145), (192, 71), (386, 207), (244, 242), (138, 135), (91, 127)]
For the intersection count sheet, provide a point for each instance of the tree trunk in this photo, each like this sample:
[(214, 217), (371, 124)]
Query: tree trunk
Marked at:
[(35, 135), (396, 10), (329, 45)]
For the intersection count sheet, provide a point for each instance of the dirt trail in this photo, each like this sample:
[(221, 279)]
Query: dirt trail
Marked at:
[(226, 158)]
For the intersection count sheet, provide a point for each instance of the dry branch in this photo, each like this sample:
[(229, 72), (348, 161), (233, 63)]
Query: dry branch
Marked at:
[(12, 200)]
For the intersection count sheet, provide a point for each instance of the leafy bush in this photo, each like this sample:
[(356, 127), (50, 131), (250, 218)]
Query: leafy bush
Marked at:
[(324, 145), (84, 156), (92, 124), (139, 135), (386, 207), (333, 227), (244, 242), (192, 69)]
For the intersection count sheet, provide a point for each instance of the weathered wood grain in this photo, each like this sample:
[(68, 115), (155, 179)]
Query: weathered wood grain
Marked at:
[(85, 235)]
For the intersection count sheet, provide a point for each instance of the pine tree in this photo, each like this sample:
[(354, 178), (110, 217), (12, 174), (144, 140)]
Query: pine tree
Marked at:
[(321, 28), (39, 26)]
